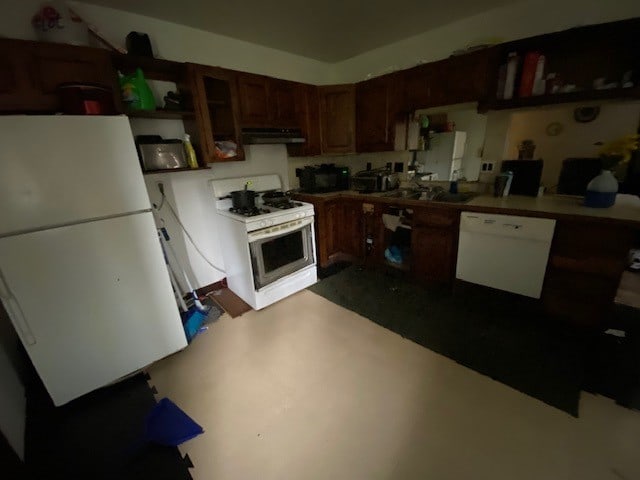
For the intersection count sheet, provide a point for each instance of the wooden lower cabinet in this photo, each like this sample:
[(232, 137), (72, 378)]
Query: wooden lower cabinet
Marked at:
[(433, 254), (434, 241), (350, 229), (332, 217), (585, 266)]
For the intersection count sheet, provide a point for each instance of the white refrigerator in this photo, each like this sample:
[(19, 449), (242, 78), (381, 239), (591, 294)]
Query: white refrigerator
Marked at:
[(82, 274), (444, 156)]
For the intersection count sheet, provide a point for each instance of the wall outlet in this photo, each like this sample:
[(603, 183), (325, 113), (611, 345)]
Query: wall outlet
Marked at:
[(487, 167)]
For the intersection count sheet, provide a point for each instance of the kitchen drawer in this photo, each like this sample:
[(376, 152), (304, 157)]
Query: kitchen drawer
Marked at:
[(580, 240), (435, 217)]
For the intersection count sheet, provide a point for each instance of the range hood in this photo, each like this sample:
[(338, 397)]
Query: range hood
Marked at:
[(253, 136)]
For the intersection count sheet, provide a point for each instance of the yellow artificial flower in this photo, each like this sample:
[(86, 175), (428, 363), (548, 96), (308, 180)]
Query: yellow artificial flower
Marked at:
[(622, 147)]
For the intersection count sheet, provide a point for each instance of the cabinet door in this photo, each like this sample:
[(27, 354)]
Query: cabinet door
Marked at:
[(308, 119), (351, 229), (424, 86), (37, 69), (374, 233), (329, 235), (432, 254), (254, 100), (470, 76), (283, 103), (337, 118), (373, 115), (16, 86), (215, 100)]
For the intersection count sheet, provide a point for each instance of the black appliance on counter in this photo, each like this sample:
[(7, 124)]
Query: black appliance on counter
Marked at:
[(576, 174), (526, 176), (323, 178)]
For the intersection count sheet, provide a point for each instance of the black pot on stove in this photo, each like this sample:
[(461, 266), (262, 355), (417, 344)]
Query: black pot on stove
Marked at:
[(244, 199)]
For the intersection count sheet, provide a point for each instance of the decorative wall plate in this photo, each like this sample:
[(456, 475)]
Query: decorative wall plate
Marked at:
[(586, 114), (554, 129)]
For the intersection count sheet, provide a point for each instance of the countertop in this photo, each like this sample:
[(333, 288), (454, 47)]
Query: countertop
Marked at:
[(626, 209)]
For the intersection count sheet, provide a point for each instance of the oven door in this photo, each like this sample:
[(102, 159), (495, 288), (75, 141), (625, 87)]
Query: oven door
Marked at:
[(281, 250)]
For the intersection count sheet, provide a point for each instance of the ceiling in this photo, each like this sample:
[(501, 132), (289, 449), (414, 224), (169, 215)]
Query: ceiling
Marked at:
[(326, 30)]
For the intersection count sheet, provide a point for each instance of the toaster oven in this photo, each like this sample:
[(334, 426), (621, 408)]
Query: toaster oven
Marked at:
[(379, 180), (165, 155)]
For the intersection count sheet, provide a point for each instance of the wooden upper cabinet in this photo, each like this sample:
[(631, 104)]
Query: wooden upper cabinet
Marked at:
[(266, 102), (337, 118), (33, 71), (307, 110), (215, 100), (254, 100), (471, 77), (377, 107), (420, 86), (459, 79), (282, 96)]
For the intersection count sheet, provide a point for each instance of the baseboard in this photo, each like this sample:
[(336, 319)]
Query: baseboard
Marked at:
[(202, 291)]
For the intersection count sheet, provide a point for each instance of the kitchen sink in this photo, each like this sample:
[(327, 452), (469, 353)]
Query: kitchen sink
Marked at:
[(453, 197), (430, 195), (407, 193)]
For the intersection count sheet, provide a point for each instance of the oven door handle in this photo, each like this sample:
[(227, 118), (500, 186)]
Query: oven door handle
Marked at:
[(278, 230)]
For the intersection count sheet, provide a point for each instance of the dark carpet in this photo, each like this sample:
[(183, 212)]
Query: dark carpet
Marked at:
[(92, 437), (501, 335)]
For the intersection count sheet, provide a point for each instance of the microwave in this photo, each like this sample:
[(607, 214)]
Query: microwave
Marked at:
[(323, 178)]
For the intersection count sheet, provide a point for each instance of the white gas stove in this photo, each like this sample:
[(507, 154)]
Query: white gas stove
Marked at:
[(269, 250)]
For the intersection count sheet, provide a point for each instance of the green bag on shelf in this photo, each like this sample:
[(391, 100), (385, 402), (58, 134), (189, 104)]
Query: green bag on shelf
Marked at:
[(136, 93)]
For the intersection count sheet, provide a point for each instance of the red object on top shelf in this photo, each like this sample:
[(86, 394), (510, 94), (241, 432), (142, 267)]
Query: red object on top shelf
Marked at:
[(528, 74)]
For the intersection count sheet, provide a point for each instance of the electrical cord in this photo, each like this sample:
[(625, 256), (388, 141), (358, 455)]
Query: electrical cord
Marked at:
[(184, 229)]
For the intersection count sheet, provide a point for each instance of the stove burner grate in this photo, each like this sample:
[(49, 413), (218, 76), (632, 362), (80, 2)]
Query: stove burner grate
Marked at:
[(248, 212)]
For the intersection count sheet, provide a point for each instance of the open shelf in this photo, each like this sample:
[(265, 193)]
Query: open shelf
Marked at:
[(160, 114), (174, 170), (557, 98), (153, 68), (404, 266)]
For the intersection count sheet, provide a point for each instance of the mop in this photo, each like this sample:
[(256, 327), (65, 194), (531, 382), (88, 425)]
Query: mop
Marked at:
[(192, 317)]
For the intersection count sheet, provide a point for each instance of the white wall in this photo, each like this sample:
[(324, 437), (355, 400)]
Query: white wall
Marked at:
[(576, 140), (510, 22), (176, 42), (192, 197)]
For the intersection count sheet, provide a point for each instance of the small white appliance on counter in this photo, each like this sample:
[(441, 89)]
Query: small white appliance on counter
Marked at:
[(82, 275), (505, 252), (269, 251)]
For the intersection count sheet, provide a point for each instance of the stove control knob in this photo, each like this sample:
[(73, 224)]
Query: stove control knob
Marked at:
[(263, 223), (300, 215), (269, 222)]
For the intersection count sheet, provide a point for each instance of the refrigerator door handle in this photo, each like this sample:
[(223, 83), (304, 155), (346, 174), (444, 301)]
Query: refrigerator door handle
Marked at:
[(15, 312)]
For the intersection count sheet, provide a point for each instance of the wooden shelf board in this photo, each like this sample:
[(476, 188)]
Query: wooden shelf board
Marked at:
[(552, 99), (153, 68), (404, 266), (160, 114), (173, 170)]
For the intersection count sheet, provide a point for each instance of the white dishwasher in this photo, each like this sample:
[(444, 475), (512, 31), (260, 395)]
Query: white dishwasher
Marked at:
[(504, 251)]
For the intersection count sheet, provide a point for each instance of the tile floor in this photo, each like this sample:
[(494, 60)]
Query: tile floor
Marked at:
[(306, 389)]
